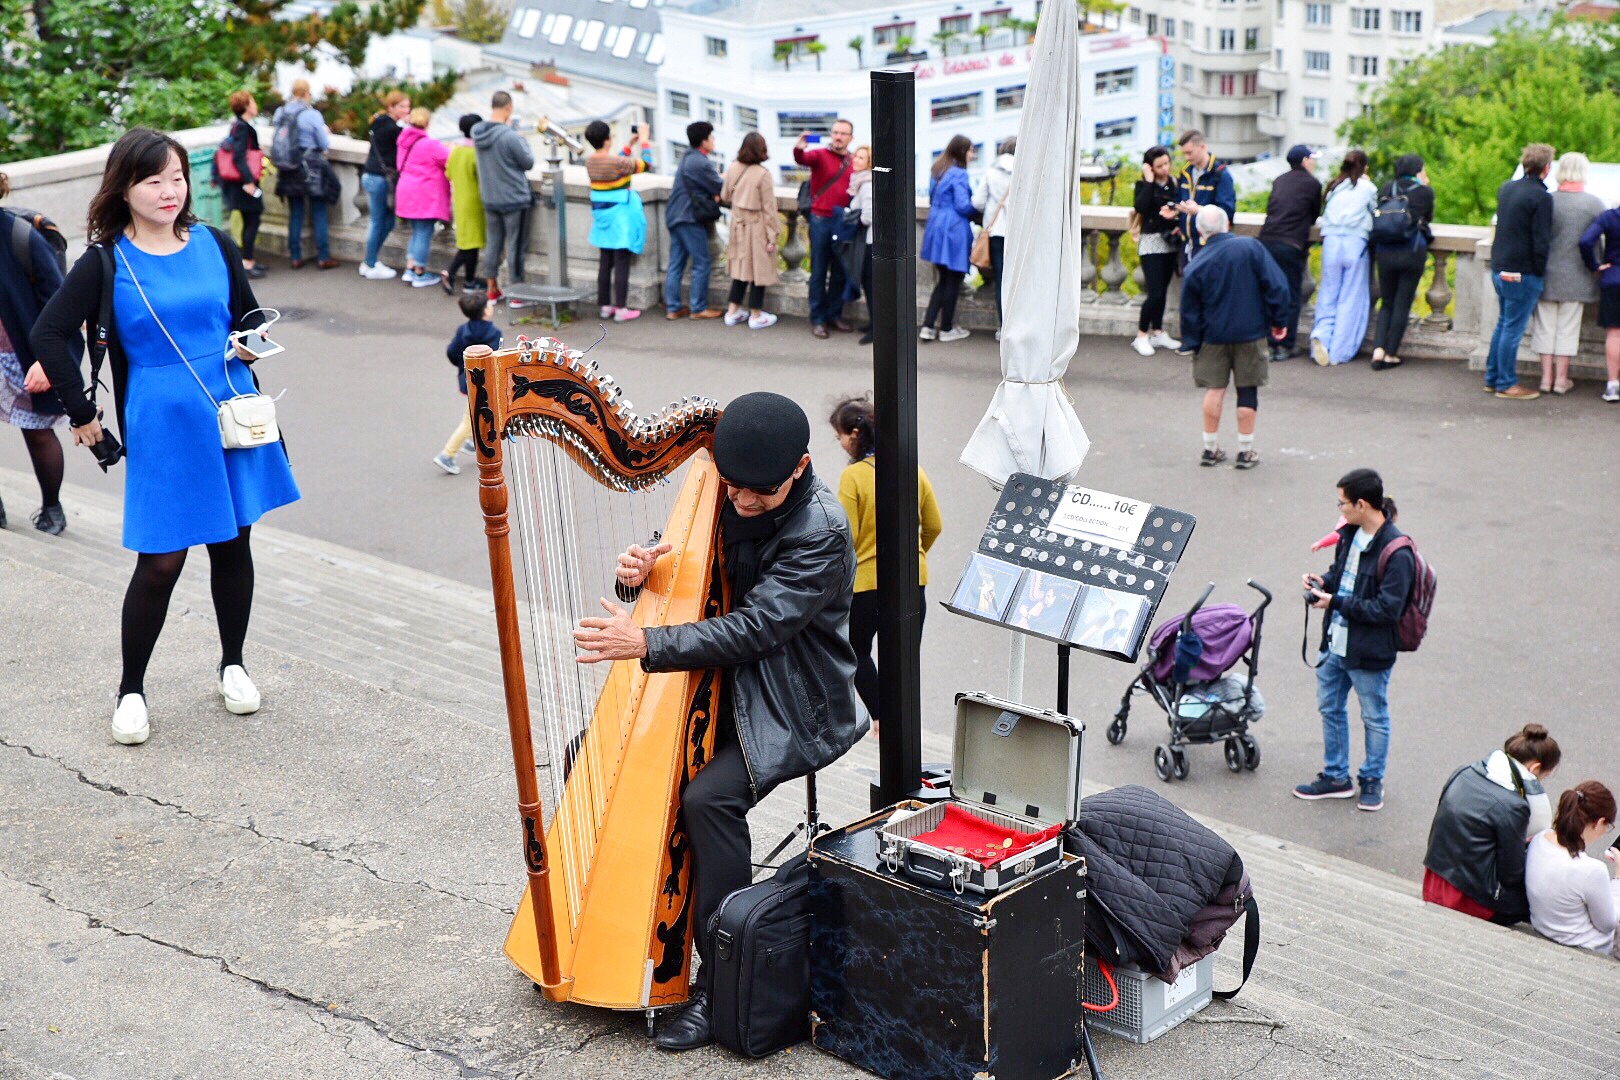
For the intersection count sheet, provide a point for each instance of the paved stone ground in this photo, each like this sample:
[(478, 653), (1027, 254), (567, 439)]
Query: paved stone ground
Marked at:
[(1512, 502), (321, 890)]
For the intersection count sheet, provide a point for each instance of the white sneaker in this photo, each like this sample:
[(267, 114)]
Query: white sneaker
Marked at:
[(447, 463), (927, 333), (608, 312), (736, 318), (1161, 340), (1611, 391), (129, 723), (377, 272), (241, 696), (955, 333), (1143, 346), (761, 321)]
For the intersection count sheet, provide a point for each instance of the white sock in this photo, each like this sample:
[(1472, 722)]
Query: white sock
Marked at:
[(1611, 387), (1245, 442), (1209, 440)]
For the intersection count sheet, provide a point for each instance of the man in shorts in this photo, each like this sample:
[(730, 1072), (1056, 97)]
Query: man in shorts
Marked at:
[(1231, 294)]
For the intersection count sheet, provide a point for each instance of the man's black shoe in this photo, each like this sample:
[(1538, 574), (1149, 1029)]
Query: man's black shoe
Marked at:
[(1298, 352), (1278, 354), (691, 1029)]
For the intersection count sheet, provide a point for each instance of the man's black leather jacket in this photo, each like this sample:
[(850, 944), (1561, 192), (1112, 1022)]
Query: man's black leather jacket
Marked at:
[(785, 647)]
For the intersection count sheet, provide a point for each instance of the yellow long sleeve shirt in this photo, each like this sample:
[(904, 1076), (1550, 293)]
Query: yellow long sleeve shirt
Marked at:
[(857, 490)]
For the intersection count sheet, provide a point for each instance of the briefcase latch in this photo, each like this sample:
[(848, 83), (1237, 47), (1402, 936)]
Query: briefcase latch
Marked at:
[(722, 945)]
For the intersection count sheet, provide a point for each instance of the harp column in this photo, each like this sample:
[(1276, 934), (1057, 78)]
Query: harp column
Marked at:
[(894, 364), (492, 498)]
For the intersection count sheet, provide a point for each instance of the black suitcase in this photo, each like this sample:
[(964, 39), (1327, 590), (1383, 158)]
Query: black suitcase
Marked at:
[(759, 946)]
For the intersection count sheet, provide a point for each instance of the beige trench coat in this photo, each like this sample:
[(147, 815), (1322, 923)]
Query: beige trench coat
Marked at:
[(755, 225)]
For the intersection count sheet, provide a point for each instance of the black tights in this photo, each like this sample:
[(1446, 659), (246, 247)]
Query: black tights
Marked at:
[(864, 613), (146, 604), (942, 301), (755, 293), (466, 259), (613, 273), (45, 451), (250, 230)]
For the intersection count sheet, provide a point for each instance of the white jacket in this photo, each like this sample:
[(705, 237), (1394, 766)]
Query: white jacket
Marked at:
[(990, 190), (1349, 210)]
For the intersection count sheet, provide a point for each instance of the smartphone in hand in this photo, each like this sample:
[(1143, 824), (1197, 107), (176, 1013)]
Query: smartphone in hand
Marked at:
[(812, 140)]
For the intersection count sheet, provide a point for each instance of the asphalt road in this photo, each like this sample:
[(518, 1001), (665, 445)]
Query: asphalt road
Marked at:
[(1513, 503)]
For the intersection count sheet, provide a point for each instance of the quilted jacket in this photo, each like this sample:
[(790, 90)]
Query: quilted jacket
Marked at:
[(1152, 871)]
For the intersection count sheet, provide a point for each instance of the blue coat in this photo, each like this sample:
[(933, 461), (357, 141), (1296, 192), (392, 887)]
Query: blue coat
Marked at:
[(1231, 292), (1606, 228), (948, 235), (1214, 188)]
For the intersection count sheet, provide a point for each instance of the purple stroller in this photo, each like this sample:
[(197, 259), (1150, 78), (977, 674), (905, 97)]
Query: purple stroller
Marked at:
[(1186, 675)]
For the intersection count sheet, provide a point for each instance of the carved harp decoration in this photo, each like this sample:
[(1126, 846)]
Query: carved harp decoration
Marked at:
[(576, 475)]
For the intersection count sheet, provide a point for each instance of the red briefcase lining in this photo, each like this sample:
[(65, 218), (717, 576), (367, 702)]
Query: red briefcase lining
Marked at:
[(987, 844)]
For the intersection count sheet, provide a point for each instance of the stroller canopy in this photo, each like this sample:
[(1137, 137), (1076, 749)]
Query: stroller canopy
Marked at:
[(1225, 630)]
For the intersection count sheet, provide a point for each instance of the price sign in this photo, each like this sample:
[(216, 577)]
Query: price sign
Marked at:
[(1097, 515)]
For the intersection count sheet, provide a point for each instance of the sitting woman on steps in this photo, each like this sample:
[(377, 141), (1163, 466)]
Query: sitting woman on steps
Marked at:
[(1574, 898)]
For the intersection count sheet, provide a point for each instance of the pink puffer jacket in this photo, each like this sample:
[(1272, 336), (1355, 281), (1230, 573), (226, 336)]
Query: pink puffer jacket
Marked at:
[(424, 189)]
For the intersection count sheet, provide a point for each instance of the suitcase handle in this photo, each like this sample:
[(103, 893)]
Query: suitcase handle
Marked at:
[(956, 876)]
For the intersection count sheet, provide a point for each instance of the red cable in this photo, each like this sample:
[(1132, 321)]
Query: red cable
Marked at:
[(1108, 975)]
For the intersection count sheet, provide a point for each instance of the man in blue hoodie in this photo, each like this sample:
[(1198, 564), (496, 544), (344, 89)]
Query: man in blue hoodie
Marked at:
[(1204, 182), (504, 160)]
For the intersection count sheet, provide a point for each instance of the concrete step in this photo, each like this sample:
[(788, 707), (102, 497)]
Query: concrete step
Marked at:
[(1356, 976)]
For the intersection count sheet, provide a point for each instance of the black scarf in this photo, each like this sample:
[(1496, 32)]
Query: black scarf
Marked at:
[(744, 536)]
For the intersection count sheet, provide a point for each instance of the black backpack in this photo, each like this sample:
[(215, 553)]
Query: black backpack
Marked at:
[(25, 221), (1394, 224), (759, 949)]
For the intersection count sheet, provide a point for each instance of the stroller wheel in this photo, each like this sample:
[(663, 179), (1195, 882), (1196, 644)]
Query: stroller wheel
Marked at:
[(1234, 755), (1178, 762), (1251, 752), (1116, 730), (1161, 762)]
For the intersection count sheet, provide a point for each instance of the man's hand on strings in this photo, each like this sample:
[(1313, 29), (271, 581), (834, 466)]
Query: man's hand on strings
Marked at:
[(636, 563), (616, 637)]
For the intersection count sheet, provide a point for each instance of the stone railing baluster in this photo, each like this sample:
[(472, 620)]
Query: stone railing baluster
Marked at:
[(794, 250), (1088, 266), (1113, 271), (1438, 295)]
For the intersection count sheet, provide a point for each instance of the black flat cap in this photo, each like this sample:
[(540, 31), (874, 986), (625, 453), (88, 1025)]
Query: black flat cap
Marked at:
[(760, 439)]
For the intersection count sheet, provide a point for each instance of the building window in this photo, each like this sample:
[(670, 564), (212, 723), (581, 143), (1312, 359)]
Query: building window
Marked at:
[(559, 32), (1110, 130), (996, 18), (1135, 15), (593, 35), (677, 150), (1251, 84), (715, 47), (626, 41), (530, 23), (1251, 39), (1315, 108), (655, 51), (1186, 30), (1153, 25), (1406, 22), (1277, 59), (1280, 10), (888, 35), (714, 111), (1009, 98), (1318, 14), (790, 125), (1170, 29), (955, 106), (1206, 39), (1186, 74), (956, 24), (1228, 41), (1228, 85), (747, 119), (1117, 81), (680, 104), (1364, 67), (1362, 18), (799, 47), (1317, 63)]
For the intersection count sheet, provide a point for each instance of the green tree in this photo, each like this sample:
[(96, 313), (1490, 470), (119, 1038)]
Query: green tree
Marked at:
[(858, 43), (983, 32), (480, 21), (351, 113), (815, 49), (902, 45), (1470, 110), (943, 39), (784, 53), (80, 72)]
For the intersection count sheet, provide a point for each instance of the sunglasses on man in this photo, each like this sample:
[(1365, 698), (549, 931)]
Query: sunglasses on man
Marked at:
[(764, 493)]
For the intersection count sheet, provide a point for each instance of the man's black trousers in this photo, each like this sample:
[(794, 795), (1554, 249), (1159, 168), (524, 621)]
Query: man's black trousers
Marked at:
[(715, 810), (1291, 260)]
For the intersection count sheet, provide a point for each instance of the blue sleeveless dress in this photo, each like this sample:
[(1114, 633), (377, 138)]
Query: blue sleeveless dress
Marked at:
[(181, 487)]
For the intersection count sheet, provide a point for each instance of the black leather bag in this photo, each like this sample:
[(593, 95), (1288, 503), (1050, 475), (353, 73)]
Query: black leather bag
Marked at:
[(759, 948)]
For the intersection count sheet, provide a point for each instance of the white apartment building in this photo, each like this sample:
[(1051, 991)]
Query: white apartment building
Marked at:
[(782, 67), (1218, 47)]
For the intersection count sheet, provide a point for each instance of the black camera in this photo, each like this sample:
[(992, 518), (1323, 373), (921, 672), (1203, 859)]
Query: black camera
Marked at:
[(108, 451)]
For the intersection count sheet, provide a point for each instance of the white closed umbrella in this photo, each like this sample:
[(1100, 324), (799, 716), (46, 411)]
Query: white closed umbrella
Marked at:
[(1031, 425)]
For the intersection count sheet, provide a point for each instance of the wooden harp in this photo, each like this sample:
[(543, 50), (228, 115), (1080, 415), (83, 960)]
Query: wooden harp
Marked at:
[(567, 465)]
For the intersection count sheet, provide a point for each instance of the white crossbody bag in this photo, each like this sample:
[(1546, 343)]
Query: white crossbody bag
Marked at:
[(245, 420)]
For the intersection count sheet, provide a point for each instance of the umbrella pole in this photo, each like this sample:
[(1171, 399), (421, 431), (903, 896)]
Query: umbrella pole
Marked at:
[(894, 384)]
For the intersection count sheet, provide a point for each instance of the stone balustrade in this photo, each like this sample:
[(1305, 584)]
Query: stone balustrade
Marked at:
[(1461, 303)]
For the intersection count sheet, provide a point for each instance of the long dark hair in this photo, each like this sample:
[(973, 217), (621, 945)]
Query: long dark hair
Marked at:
[(1578, 808), (856, 415), (956, 153), (140, 153), (1352, 168)]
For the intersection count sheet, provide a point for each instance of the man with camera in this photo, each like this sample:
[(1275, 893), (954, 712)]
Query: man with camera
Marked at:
[(1359, 639), (828, 159)]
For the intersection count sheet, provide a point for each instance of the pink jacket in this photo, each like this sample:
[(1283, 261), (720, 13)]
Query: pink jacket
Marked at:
[(424, 189)]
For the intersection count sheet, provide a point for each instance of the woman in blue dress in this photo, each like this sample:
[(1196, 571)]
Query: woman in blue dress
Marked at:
[(178, 290)]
